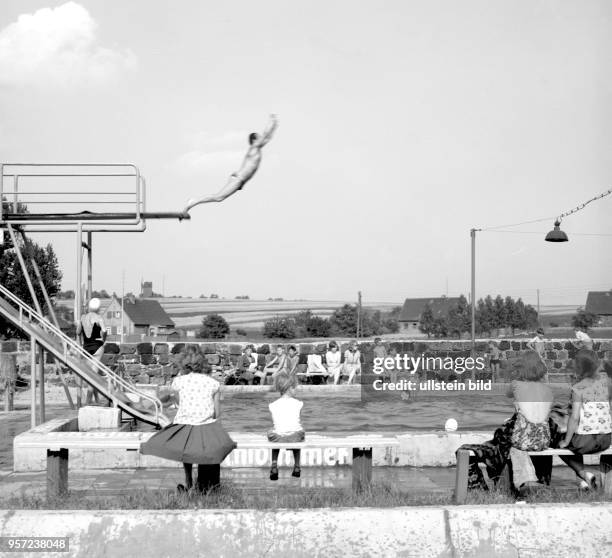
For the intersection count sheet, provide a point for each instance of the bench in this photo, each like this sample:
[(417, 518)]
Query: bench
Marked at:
[(463, 465), (361, 446)]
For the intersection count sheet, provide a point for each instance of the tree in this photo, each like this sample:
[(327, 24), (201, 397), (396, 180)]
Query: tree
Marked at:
[(518, 319), (440, 326), (344, 320), (66, 294), (584, 319), (214, 326), (486, 315), (97, 294), (12, 277), (531, 317), (280, 327), (459, 317), (318, 327), (499, 313), (426, 322)]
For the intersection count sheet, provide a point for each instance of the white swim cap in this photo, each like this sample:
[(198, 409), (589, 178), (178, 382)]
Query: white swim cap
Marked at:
[(94, 305)]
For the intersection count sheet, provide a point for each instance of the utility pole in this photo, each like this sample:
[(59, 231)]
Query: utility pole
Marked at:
[(473, 289), (358, 314), (539, 321)]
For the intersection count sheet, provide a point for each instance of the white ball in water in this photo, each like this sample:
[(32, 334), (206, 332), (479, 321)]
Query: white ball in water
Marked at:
[(451, 425)]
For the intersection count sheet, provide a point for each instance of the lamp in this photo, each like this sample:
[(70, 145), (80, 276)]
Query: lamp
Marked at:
[(556, 235)]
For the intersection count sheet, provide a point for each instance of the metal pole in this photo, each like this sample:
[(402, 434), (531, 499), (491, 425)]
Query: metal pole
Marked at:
[(41, 380), (539, 321), (122, 297), (89, 267), (78, 303), (358, 314), (473, 290), (24, 269), (33, 381)]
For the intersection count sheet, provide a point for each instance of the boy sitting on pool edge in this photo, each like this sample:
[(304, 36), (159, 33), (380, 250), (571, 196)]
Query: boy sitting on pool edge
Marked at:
[(287, 427)]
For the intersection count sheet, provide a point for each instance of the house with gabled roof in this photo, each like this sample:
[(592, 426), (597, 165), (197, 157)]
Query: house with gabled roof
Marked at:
[(413, 308), (600, 304), (142, 316)]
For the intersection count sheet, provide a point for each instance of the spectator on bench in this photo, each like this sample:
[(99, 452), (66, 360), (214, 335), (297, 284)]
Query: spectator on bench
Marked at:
[(291, 361), (287, 427), (590, 425), (276, 363), (352, 362), (333, 359), (246, 367), (315, 365)]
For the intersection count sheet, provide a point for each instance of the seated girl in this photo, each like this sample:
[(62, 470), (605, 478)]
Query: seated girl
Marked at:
[(352, 362), (196, 435), (590, 425), (533, 401), (333, 362), (287, 427), (274, 365)]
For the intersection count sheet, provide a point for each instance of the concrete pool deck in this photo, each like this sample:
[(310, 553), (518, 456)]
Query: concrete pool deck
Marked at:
[(497, 531)]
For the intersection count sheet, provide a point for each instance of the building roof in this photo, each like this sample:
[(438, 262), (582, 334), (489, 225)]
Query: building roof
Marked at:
[(599, 302), (413, 307), (146, 312)]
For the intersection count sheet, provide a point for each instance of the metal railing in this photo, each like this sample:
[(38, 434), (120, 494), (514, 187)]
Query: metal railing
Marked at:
[(42, 190), (72, 349)]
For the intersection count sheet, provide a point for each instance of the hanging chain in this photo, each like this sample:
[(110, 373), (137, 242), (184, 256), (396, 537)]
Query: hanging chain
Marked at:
[(583, 205)]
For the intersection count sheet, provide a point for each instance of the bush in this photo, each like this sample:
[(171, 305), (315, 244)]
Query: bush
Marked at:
[(279, 327), (317, 327), (584, 319), (214, 326), (242, 332)]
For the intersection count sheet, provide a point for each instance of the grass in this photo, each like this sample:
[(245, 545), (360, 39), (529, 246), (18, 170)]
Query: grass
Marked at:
[(230, 497)]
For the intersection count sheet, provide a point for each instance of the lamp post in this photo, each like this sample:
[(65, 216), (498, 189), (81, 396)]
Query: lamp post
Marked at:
[(555, 235), (473, 289)]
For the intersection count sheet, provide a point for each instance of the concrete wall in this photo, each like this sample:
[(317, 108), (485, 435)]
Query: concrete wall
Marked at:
[(508, 531), (119, 450)]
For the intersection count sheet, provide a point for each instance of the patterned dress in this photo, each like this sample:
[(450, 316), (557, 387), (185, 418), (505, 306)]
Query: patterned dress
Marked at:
[(195, 436)]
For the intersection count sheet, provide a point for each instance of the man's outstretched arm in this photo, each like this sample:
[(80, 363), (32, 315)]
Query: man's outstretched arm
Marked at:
[(267, 134)]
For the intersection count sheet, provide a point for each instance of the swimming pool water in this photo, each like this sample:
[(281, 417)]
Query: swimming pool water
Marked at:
[(341, 413)]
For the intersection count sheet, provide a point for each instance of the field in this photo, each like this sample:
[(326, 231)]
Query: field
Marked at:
[(187, 313), (247, 314)]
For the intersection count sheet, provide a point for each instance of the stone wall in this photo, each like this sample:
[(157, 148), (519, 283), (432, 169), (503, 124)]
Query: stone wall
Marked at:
[(159, 359), (158, 362)]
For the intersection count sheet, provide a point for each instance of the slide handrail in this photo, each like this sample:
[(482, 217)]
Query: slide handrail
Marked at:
[(68, 344)]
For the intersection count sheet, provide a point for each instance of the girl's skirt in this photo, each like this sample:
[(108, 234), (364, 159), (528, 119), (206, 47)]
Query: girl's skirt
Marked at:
[(583, 444), (204, 444)]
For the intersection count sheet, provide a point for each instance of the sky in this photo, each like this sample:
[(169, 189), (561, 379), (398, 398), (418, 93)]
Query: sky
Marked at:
[(403, 124)]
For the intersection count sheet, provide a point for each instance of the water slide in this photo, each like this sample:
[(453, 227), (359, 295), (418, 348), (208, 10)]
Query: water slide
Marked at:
[(122, 393)]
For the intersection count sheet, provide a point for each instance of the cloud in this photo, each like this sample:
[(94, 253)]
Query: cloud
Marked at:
[(214, 153), (59, 47)]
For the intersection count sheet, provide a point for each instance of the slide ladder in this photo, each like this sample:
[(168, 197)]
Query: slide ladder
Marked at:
[(122, 393)]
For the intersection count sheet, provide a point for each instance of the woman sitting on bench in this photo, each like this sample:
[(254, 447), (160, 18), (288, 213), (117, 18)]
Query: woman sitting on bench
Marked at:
[(274, 366), (590, 425), (196, 435)]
